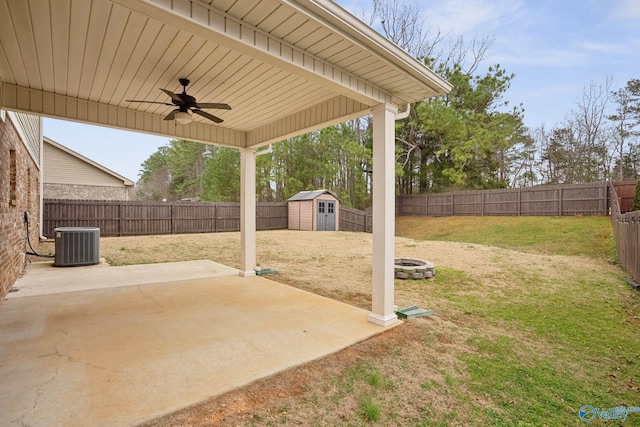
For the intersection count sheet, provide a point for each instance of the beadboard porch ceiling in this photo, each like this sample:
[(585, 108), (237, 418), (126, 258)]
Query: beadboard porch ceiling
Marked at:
[(285, 66)]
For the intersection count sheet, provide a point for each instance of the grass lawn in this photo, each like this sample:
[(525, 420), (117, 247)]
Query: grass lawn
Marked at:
[(531, 323), (563, 344), (582, 235)]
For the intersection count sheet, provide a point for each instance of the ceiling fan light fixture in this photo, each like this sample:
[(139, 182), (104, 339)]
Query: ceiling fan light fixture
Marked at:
[(183, 117), (187, 106)]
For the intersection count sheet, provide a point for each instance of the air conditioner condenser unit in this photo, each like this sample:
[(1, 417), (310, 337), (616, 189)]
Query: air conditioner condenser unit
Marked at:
[(76, 246)]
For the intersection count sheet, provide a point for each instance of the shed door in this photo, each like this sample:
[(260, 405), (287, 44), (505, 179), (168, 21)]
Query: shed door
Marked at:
[(326, 215)]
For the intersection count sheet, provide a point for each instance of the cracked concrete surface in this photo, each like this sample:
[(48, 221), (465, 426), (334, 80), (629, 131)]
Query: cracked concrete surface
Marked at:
[(121, 355)]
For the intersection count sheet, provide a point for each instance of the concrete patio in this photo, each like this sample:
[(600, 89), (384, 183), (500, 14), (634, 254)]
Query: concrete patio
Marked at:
[(118, 346)]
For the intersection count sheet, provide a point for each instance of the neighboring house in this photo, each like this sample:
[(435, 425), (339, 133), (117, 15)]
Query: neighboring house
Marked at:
[(20, 178), (69, 175), (316, 210)]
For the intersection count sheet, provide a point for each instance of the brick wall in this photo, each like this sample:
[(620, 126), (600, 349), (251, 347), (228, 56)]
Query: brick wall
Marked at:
[(19, 192), (84, 192)]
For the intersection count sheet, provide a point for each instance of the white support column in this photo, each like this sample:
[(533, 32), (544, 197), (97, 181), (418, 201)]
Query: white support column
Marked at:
[(382, 310), (247, 212)]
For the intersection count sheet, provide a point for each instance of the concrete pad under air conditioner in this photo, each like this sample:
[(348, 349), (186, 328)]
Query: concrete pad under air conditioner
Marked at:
[(43, 278)]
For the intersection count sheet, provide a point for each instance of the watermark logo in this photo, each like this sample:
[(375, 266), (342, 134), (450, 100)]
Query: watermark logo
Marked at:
[(588, 413)]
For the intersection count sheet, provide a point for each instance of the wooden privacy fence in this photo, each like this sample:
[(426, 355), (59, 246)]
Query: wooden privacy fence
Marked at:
[(355, 220), (625, 191), (120, 218), (555, 200), (626, 230)]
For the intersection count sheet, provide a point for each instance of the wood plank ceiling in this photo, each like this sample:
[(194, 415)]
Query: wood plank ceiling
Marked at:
[(284, 66)]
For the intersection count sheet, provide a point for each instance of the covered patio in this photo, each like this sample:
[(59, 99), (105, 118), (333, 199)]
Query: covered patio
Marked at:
[(139, 345), (119, 346), (286, 67)]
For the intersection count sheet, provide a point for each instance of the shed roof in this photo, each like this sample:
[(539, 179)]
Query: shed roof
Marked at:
[(310, 195)]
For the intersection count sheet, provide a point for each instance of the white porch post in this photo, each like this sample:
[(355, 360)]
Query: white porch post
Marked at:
[(382, 310), (247, 212)]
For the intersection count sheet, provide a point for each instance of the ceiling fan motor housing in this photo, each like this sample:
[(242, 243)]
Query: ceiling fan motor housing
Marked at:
[(187, 104)]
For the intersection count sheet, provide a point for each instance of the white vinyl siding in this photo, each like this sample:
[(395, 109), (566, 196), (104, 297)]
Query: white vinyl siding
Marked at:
[(29, 128), (63, 168)]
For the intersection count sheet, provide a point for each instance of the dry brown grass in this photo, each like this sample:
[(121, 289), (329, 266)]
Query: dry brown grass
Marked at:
[(338, 264)]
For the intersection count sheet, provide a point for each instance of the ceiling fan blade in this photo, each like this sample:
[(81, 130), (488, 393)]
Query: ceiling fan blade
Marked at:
[(208, 116), (172, 115), (174, 98), (147, 102), (213, 105)]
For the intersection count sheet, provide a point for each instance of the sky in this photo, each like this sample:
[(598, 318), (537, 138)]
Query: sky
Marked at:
[(554, 47)]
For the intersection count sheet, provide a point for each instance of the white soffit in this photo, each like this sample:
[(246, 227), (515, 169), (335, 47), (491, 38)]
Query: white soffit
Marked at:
[(284, 66)]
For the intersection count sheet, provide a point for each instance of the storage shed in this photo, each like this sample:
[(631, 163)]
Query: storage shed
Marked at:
[(317, 210)]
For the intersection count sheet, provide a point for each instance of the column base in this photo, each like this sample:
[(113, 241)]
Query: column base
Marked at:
[(248, 273), (387, 320)]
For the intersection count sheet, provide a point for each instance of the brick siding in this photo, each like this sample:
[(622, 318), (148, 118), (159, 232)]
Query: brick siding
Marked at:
[(19, 192), (84, 192)]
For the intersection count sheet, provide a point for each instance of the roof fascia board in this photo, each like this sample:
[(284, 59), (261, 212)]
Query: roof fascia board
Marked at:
[(32, 101), (127, 182), (344, 23), (208, 22)]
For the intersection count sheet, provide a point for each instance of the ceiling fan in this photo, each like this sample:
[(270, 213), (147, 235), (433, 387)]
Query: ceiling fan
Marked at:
[(186, 104)]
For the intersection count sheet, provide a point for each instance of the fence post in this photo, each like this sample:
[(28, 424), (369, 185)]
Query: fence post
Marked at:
[(171, 221), (215, 217), (519, 201), (560, 201), (453, 204), (426, 204), (120, 219), (482, 202)]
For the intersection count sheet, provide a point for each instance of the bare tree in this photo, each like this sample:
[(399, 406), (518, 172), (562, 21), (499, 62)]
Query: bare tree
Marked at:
[(625, 119), (155, 186), (467, 54), (523, 162), (589, 119), (403, 23)]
